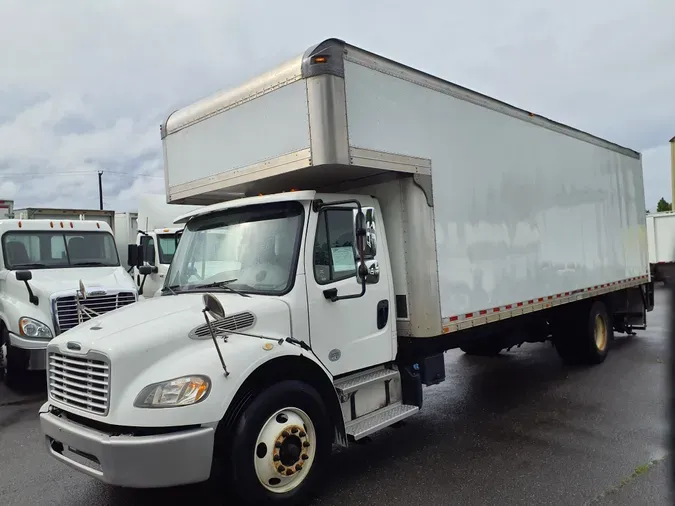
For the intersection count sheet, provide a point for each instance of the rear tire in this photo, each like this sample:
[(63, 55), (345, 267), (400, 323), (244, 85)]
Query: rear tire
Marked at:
[(278, 447), (585, 339)]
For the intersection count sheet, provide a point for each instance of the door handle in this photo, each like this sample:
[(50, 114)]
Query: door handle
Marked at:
[(382, 314)]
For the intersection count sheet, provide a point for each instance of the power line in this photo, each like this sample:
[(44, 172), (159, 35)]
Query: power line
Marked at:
[(80, 172)]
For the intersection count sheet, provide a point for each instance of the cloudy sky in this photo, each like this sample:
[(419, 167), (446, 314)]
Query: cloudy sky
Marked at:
[(85, 84)]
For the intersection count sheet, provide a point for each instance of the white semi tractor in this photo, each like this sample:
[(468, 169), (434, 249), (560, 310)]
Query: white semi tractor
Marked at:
[(54, 274), (425, 217)]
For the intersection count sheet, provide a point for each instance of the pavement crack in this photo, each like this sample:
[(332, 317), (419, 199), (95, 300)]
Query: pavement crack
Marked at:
[(639, 471)]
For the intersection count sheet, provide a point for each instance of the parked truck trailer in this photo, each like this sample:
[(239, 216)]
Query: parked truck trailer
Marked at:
[(661, 245), (45, 213), (386, 216), (126, 230)]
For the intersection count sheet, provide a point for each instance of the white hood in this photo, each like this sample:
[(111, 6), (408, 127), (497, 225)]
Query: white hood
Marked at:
[(47, 282), (152, 324)]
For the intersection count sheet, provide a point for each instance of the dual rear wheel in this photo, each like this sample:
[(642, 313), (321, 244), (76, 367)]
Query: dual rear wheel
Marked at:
[(585, 340)]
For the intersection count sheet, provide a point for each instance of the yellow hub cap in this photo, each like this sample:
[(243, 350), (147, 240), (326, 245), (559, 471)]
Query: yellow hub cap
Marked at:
[(600, 333)]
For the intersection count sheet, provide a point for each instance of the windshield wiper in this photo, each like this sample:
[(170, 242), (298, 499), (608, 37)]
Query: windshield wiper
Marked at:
[(90, 264), (171, 289), (222, 285), (31, 265)]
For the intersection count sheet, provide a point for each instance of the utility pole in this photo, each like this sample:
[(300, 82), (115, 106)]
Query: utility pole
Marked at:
[(672, 172), (100, 190)]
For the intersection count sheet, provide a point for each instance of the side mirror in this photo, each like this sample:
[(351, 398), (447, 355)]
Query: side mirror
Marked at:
[(372, 271), (23, 275), (133, 256), (360, 231), (26, 276), (213, 306), (146, 270)]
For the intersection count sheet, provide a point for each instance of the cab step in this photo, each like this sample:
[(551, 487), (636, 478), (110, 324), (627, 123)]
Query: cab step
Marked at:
[(352, 384), (383, 417)]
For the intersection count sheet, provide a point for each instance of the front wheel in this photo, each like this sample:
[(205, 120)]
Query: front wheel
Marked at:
[(15, 363), (279, 446)]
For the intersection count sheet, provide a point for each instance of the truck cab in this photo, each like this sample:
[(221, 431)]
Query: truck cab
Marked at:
[(151, 256), (53, 275)]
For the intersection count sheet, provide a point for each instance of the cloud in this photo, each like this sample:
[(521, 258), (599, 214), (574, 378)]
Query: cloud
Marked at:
[(86, 84)]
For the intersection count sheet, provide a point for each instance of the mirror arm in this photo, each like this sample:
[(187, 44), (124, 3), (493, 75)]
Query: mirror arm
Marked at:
[(140, 288), (31, 296)]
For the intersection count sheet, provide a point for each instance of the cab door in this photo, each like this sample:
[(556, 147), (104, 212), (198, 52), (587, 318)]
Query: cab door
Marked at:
[(155, 280), (348, 334)]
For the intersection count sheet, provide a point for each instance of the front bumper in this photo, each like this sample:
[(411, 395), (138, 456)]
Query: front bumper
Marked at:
[(164, 460)]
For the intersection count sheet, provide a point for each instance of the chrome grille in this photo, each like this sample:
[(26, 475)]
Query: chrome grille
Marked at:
[(80, 382), (66, 308), (235, 322)]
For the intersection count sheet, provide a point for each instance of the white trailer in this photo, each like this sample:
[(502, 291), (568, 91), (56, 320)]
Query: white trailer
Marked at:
[(6, 209), (126, 230), (46, 213), (385, 216), (661, 243)]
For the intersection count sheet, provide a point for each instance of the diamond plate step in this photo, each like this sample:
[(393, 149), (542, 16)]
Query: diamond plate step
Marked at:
[(351, 384), (384, 417)]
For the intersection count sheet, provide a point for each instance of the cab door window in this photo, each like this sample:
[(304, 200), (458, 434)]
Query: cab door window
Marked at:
[(334, 250)]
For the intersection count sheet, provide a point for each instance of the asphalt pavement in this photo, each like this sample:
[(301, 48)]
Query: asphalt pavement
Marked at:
[(516, 429)]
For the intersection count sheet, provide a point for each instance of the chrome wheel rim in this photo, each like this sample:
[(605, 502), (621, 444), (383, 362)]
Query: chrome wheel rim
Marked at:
[(600, 333), (285, 450)]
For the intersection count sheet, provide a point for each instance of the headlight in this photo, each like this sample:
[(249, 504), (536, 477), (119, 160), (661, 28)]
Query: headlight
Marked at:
[(172, 393), (33, 328)]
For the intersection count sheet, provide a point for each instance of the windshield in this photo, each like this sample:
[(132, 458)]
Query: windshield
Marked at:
[(58, 250), (166, 244), (251, 249)]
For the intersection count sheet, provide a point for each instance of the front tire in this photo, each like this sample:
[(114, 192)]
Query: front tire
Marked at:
[(16, 362), (279, 445)]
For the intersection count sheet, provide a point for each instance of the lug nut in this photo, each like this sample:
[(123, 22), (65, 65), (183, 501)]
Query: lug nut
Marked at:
[(294, 430), (306, 444), (276, 458), (302, 434), (277, 445), (289, 472), (298, 467), (305, 456), (281, 469), (284, 433)]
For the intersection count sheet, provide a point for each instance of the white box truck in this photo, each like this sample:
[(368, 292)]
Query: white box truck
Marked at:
[(54, 274), (661, 245), (150, 253), (425, 217)]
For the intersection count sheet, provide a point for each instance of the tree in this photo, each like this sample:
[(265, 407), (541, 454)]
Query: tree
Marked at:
[(663, 206)]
